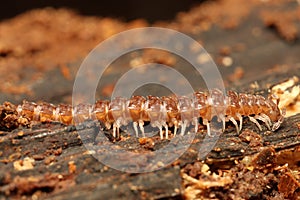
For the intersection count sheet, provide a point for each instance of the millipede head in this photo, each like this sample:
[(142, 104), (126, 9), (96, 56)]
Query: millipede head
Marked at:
[(277, 124), (273, 112)]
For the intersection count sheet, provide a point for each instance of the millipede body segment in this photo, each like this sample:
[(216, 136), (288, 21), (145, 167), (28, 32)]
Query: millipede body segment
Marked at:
[(163, 112)]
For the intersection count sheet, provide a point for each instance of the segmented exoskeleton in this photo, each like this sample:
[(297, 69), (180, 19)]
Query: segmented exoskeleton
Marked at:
[(164, 112)]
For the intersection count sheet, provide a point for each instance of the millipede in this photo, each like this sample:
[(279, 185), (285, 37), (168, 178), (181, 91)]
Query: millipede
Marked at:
[(163, 112)]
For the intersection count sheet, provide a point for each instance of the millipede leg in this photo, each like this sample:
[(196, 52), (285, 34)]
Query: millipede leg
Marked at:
[(118, 131), (196, 124), (277, 124), (135, 124), (264, 120), (114, 130), (167, 131), (223, 124), (235, 124), (252, 119), (241, 121), (141, 125), (175, 129), (267, 118), (183, 127), (160, 132), (208, 129)]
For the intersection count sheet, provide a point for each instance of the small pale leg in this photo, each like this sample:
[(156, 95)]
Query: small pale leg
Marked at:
[(235, 124), (252, 119), (118, 132), (223, 123), (263, 119), (267, 118), (175, 129), (241, 120), (205, 122), (208, 129), (167, 131), (135, 127), (116, 129), (141, 125), (277, 124), (196, 124), (183, 127), (161, 132)]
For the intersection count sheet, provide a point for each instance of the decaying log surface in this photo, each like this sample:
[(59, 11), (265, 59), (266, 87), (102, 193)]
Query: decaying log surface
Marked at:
[(50, 160)]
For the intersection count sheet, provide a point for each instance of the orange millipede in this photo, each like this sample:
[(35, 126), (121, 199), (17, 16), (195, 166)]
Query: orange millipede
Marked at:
[(164, 112)]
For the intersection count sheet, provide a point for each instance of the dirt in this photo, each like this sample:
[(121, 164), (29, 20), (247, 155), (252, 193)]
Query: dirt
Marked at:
[(246, 180)]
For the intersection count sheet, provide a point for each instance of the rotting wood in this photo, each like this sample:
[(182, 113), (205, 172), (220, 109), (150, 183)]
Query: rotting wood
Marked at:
[(54, 146)]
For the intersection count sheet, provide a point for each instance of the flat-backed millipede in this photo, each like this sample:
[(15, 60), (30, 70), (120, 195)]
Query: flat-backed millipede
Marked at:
[(164, 112)]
